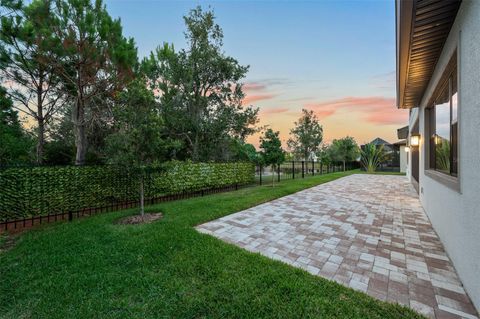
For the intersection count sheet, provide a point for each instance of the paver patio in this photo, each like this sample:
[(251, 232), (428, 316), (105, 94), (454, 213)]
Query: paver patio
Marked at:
[(368, 232)]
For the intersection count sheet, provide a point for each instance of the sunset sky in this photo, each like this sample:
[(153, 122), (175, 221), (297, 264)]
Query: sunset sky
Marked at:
[(334, 57)]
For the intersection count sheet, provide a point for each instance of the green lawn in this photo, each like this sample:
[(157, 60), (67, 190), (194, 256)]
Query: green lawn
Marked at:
[(93, 268)]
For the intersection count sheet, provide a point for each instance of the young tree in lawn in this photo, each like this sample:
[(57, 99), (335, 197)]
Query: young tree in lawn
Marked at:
[(14, 142), (344, 150), (306, 136), (324, 154), (92, 58), (23, 52), (201, 93), (272, 152), (137, 141)]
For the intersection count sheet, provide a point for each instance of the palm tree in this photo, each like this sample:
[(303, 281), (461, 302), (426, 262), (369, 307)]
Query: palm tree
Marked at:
[(372, 156)]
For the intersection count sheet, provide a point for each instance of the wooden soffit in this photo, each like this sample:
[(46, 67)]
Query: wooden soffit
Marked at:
[(422, 27)]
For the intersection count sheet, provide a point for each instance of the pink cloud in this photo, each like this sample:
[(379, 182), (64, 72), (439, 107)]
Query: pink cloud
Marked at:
[(249, 99), (254, 86), (275, 110), (254, 92), (324, 113), (375, 109)]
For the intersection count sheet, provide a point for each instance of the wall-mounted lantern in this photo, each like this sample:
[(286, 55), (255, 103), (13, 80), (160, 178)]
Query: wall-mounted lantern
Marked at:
[(414, 139)]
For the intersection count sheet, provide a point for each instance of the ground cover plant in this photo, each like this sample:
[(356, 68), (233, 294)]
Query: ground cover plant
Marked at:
[(95, 268)]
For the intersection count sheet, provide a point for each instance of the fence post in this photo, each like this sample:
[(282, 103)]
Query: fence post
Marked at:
[(313, 168), (293, 169), (70, 216), (321, 168), (278, 172), (303, 169)]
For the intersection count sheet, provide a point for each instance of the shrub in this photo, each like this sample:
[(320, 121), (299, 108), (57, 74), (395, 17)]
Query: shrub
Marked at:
[(35, 191)]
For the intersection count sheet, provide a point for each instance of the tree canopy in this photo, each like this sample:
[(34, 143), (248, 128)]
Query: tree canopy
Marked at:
[(200, 91), (306, 136), (344, 150), (91, 57), (32, 83), (14, 142)]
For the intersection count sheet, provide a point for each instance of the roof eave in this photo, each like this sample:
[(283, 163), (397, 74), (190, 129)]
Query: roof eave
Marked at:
[(404, 13)]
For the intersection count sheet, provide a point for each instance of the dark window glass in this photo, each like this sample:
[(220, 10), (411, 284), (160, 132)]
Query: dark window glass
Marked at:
[(442, 131), (443, 122), (454, 127)]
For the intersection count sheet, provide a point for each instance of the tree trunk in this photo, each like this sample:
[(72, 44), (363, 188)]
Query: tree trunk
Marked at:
[(142, 197), (40, 139), (273, 175), (78, 117), (40, 122), (195, 150)]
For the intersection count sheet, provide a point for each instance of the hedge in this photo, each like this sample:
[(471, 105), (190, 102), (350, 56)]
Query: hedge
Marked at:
[(36, 191)]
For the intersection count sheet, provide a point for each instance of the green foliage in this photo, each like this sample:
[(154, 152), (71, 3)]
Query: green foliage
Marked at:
[(324, 154), (23, 52), (33, 191), (344, 150), (201, 94), (15, 144), (372, 156), (306, 136), (442, 154), (92, 58), (272, 152), (245, 152), (137, 139)]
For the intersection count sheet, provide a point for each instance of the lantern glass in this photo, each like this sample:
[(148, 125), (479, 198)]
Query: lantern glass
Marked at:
[(414, 140)]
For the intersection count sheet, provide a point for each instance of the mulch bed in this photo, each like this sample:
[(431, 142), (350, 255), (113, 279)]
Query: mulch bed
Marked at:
[(139, 219)]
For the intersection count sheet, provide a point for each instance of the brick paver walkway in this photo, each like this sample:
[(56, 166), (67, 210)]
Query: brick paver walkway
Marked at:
[(368, 232)]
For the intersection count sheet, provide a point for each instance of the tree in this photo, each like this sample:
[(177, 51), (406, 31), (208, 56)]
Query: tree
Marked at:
[(324, 154), (137, 142), (272, 152), (200, 91), (14, 142), (246, 152), (372, 156), (23, 52), (344, 150), (91, 57), (306, 136)]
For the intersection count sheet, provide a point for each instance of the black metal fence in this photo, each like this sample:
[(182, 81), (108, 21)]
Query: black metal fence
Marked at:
[(298, 169), (31, 195)]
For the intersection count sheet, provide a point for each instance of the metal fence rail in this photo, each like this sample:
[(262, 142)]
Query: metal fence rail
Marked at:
[(298, 169)]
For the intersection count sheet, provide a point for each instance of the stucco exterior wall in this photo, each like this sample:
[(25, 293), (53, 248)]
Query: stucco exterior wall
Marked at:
[(455, 214)]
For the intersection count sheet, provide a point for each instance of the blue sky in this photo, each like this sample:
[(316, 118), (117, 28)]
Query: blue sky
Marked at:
[(335, 57)]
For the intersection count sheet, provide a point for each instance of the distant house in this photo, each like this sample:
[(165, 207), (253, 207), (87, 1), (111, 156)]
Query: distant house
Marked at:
[(393, 163), (438, 80)]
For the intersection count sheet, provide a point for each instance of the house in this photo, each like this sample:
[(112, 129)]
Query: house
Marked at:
[(438, 80)]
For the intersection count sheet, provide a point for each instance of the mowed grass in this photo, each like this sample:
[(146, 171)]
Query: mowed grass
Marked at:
[(94, 268)]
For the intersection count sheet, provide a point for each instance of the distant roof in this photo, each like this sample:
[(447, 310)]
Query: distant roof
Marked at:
[(379, 141), (402, 133)]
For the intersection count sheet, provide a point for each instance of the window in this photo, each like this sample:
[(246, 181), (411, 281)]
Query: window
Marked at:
[(443, 118)]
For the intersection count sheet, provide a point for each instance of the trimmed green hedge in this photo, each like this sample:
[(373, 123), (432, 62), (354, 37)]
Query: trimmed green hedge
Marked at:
[(35, 191)]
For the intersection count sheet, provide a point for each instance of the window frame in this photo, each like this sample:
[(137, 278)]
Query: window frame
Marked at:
[(450, 74)]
